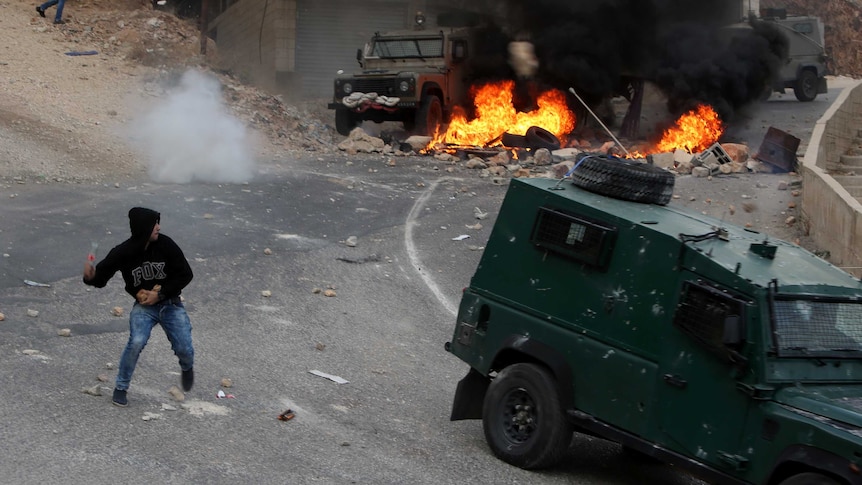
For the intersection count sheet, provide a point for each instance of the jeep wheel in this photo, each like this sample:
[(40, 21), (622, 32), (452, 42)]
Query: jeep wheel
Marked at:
[(809, 479), (806, 86), (624, 179), (345, 122), (522, 417), (429, 117)]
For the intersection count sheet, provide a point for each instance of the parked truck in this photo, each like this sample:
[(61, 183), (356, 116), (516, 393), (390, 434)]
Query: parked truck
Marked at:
[(598, 308), (414, 77)]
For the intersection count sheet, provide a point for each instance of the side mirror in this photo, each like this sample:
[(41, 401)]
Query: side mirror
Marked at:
[(733, 331)]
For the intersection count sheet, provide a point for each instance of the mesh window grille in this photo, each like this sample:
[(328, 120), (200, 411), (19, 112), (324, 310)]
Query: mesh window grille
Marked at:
[(702, 315), (811, 327), (573, 237), (393, 49)]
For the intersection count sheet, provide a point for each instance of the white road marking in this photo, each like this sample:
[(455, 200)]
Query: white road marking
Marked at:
[(414, 255)]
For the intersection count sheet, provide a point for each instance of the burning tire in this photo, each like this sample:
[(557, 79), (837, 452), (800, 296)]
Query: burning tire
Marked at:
[(624, 179), (541, 138), (511, 140)]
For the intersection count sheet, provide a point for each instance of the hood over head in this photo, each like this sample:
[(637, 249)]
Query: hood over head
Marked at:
[(142, 221)]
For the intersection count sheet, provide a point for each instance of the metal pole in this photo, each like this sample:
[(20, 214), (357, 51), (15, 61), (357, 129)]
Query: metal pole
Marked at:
[(572, 90), (204, 24)]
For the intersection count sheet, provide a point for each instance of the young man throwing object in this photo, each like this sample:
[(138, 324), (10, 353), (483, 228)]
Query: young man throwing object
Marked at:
[(155, 271)]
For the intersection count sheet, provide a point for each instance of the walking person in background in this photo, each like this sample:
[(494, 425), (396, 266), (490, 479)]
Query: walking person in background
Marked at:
[(58, 17), (155, 271)]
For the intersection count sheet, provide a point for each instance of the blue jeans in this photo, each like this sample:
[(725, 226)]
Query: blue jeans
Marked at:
[(51, 3), (177, 326)]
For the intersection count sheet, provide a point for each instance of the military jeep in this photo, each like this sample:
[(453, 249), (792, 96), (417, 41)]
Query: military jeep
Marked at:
[(598, 308), (414, 77)]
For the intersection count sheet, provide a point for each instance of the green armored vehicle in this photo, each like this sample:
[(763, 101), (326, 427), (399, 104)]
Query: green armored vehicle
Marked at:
[(706, 346)]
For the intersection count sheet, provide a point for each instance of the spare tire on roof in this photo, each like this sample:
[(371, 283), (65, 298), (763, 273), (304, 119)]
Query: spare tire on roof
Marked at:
[(621, 178)]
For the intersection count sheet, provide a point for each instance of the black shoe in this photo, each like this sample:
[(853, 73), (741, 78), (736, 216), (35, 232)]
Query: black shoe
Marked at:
[(188, 379), (58, 22), (119, 398), (41, 12)]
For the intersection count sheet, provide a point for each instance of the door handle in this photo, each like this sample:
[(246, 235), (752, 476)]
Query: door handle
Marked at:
[(675, 381)]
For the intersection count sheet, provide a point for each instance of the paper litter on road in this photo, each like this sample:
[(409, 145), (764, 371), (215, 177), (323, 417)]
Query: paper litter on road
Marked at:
[(331, 377), (33, 283), (461, 237)]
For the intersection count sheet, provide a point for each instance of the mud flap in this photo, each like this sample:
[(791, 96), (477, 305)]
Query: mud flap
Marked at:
[(469, 396)]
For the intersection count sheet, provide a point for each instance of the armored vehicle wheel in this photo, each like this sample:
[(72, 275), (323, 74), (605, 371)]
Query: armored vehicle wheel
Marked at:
[(523, 420), (806, 86), (345, 122), (809, 479), (541, 138), (624, 179), (429, 116)]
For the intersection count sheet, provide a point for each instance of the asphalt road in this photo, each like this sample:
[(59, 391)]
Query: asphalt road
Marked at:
[(384, 331)]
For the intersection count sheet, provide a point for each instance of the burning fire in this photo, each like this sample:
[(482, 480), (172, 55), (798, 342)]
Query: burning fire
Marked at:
[(694, 131), (495, 115)]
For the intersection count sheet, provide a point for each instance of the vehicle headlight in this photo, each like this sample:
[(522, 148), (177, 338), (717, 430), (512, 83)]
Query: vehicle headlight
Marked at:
[(347, 88), (404, 86)]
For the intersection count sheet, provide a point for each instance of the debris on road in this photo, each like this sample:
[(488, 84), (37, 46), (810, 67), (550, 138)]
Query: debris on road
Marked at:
[(148, 416), (117, 311), (286, 415), (177, 394), (350, 242), (221, 395), (34, 283), (266, 293), (32, 313), (93, 391), (226, 382), (367, 259), (336, 379), (461, 237), (64, 332)]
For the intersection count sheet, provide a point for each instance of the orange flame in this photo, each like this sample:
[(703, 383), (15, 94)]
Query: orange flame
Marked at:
[(694, 131), (495, 115)]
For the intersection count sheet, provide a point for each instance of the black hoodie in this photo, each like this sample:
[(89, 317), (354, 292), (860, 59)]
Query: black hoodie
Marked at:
[(143, 266)]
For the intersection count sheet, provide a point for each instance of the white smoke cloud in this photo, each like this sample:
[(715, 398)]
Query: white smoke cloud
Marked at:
[(190, 136)]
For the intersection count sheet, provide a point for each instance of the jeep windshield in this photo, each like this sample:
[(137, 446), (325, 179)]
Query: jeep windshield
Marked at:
[(817, 327), (406, 48)]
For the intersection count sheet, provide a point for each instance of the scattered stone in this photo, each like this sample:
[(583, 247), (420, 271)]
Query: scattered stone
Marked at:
[(267, 251), (475, 226), (475, 163), (109, 365), (782, 185), (30, 352), (790, 220), (566, 153), (320, 346), (148, 416), (226, 382), (700, 172), (32, 313), (329, 293), (795, 193), (737, 152), (749, 207), (350, 242), (64, 332), (266, 293), (177, 394), (102, 378), (2, 317), (542, 157), (316, 291), (731, 209), (418, 143), (663, 160), (117, 311), (93, 391), (168, 407), (791, 205), (479, 214)]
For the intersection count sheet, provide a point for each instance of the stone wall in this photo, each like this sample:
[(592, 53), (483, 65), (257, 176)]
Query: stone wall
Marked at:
[(833, 217)]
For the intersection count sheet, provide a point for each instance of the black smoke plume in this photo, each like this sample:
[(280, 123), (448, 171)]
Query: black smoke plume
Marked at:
[(598, 46)]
